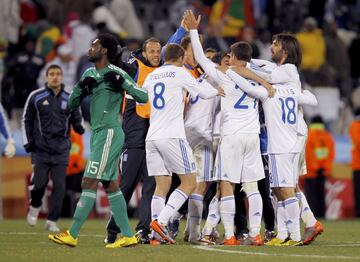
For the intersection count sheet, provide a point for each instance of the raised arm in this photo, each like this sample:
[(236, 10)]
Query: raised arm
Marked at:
[(192, 86), (255, 91)]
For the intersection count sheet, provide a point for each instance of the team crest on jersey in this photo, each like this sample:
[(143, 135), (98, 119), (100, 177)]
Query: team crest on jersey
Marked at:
[(63, 104)]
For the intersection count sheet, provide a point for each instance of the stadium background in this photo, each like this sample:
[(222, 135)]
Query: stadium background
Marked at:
[(41, 31)]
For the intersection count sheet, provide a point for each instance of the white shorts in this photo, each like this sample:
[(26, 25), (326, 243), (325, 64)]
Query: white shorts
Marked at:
[(167, 156), (238, 159), (204, 159), (284, 169), (302, 159)]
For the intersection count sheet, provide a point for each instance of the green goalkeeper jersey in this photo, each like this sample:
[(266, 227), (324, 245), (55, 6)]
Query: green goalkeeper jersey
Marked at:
[(105, 99)]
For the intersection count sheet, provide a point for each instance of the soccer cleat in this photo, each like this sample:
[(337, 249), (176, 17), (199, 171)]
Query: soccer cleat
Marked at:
[(276, 242), (269, 234), (174, 228), (241, 235), (123, 242), (51, 226), (64, 238), (252, 241), (110, 238), (32, 215), (311, 233), (232, 241), (142, 237), (162, 231)]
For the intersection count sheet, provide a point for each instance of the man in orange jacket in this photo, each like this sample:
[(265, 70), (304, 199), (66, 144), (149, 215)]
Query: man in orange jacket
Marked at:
[(355, 158), (319, 158)]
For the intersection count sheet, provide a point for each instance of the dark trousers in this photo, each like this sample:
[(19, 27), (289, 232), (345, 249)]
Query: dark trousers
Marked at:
[(356, 186), (268, 209), (133, 169), (38, 183), (315, 195)]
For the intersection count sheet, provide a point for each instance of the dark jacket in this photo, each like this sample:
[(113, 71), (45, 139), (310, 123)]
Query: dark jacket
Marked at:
[(46, 126)]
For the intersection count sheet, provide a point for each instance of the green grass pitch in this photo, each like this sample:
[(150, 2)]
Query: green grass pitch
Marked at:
[(19, 242)]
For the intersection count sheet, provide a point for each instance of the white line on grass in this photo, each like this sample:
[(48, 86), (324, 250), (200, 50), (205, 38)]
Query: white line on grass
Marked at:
[(271, 254), (37, 233)]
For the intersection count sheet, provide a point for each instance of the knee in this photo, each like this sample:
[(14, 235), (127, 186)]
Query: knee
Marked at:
[(226, 189), (250, 187), (112, 187)]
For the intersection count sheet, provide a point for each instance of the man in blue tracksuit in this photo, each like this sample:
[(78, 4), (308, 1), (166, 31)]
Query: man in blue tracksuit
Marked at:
[(46, 135)]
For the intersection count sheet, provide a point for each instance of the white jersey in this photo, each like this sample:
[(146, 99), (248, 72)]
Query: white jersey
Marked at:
[(199, 115), (166, 87), (239, 112), (281, 113)]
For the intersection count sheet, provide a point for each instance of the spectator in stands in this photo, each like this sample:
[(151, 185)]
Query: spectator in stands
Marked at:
[(21, 75), (9, 150), (46, 130), (248, 34), (313, 49), (355, 158), (124, 13), (338, 58), (66, 61), (319, 158)]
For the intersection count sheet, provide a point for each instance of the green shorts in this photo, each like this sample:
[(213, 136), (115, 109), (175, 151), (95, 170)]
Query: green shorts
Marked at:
[(105, 148)]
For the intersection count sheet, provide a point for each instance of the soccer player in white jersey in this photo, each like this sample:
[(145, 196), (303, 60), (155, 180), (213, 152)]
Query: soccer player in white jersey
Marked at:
[(283, 73), (167, 150), (238, 157), (281, 117)]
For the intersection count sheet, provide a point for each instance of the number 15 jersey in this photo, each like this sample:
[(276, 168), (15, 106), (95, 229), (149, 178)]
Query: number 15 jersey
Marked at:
[(166, 88)]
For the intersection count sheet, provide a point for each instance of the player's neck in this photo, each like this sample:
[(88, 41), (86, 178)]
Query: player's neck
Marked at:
[(175, 63), (102, 63)]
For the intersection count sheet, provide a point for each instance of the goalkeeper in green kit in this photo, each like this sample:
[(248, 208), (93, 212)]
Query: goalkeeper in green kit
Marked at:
[(105, 84)]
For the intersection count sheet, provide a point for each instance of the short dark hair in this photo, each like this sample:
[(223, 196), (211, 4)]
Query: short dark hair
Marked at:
[(242, 50), (173, 52), (53, 66), (150, 40), (109, 42), (291, 47), (218, 57), (210, 49), (185, 42)]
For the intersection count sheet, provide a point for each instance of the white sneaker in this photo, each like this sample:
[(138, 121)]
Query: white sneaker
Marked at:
[(51, 226), (32, 215)]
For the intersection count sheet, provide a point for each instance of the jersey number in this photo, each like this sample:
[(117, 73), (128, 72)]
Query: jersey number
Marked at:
[(288, 104), (194, 100), (92, 167), (238, 104), (159, 101)]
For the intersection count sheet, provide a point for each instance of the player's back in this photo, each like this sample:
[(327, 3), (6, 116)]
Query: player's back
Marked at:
[(165, 90), (239, 111), (281, 118)]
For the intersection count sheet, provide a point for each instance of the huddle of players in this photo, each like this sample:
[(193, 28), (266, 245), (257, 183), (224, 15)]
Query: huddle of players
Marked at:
[(180, 139)]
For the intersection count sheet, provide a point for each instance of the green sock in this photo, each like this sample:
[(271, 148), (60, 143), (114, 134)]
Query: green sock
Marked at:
[(83, 208), (119, 210)]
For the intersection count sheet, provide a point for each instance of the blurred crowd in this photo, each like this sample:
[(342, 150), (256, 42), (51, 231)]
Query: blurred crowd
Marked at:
[(34, 33)]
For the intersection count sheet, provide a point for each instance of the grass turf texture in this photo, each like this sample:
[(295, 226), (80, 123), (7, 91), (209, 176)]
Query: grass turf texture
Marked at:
[(19, 242)]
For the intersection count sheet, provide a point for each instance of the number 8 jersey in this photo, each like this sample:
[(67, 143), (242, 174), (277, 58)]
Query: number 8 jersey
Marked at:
[(166, 88)]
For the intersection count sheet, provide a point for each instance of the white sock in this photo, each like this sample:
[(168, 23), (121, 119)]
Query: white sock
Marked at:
[(176, 200), (177, 216), (196, 207), (157, 204), (292, 211), (227, 213), (255, 213), (307, 215), (282, 232), (213, 217)]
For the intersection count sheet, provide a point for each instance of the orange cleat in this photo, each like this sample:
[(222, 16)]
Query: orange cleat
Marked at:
[(311, 233), (252, 241), (232, 241), (162, 231)]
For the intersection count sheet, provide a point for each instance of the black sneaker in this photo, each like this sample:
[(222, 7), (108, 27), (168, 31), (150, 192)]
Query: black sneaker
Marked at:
[(143, 237), (242, 234), (110, 238)]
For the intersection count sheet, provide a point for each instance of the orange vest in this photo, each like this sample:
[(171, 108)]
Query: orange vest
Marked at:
[(76, 159), (319, 151), (355, 144), (143, 110)]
